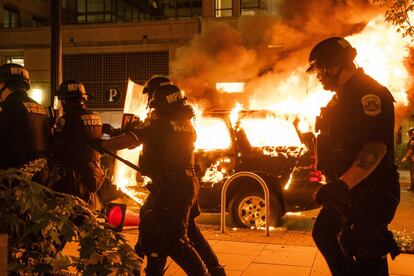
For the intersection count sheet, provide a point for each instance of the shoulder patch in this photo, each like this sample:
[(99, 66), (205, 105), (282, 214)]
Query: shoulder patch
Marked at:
[(371, 104), (35, 108), (91, 120)]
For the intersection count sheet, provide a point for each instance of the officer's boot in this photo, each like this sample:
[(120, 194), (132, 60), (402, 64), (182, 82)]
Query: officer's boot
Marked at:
[(216, 271), (203, 248)]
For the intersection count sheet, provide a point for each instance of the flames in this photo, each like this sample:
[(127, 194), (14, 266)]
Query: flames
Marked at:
[(295, 99)]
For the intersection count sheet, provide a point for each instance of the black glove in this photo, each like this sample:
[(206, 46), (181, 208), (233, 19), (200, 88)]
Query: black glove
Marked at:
[(332, 194), (96, 144), (107, 129)]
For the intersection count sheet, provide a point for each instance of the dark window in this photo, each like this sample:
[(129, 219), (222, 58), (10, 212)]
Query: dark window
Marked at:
[(99, 72), (253, 7), (11, 18), (36, 22), (180, 8), (223, 8)]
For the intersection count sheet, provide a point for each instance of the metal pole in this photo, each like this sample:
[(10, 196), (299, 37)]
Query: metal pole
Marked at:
[(55, 47), (224, 192)]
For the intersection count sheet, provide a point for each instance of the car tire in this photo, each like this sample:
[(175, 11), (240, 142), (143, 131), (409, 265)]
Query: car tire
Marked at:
[(247, 210)]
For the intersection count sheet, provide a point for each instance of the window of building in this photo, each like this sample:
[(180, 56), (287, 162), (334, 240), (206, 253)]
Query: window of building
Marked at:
[(11, 18), (18, 59), (254, 7), (223, 8), (36, 22), (180, 8)]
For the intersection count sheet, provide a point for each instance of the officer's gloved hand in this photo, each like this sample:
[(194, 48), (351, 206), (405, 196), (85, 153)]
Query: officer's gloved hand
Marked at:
[(332, 194), (97, 145), (107, 128)]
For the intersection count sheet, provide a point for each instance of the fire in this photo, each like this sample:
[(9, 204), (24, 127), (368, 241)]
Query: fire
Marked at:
[(297, 98), (381, 52), (212, 133), (124, 176), (230, 87), (271, 132)]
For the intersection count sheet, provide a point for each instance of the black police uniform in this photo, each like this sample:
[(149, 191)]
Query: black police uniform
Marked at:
[(24, 130), (79, 163), (362, 112), (168, 159)]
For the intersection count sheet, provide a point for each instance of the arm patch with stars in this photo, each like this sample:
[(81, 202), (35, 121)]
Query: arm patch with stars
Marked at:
[(371, 104)]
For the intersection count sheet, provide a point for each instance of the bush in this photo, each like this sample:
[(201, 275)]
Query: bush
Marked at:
[(400, 151), (39, 222)]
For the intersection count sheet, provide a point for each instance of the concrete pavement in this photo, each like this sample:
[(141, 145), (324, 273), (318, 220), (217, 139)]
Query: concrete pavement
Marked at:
[(262, 257), (248, 258)]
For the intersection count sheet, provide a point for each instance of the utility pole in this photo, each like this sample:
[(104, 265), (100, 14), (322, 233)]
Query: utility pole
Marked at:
[(55, 48)]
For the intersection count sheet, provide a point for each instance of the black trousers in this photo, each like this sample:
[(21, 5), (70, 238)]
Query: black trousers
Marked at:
[(198, 242), (326, 233)]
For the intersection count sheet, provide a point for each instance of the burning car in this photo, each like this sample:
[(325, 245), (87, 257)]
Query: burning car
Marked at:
[(258, 142)]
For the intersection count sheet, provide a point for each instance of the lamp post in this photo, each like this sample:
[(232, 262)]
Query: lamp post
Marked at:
[(55, 48)]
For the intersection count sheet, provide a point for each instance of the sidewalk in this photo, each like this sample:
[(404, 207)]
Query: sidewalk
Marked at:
[(247, 258)]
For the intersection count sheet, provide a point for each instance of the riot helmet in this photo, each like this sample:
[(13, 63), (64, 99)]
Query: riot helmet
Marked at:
[(153, 83), (331, 52), (72, 90), (14, 76), (167, 96)]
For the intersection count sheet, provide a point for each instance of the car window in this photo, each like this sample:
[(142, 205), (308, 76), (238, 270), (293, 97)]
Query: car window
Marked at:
[(270, 132), (212, 133)]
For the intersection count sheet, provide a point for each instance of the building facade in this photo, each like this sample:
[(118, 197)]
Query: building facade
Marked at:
[(107, 42)]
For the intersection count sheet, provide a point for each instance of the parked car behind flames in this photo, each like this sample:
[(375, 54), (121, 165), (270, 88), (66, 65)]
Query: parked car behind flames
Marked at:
[(261, 143)]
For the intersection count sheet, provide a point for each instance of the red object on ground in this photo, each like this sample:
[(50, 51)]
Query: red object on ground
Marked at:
[(115, 216), (131, 218)]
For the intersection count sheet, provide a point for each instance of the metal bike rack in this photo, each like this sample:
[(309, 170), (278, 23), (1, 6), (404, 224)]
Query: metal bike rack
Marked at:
[(224, 192)]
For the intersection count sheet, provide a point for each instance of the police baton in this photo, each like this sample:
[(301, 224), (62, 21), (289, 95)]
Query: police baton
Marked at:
[(104, 150)]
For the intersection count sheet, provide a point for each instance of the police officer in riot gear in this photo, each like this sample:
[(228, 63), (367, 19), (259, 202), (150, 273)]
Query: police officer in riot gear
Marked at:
[(197, 239), (79, 170), (409, 156), (355, 150), (168, 138), (23, 122)]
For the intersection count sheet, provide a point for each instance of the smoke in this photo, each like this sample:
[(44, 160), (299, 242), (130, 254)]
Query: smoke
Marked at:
[(263, 51), (404, 111)]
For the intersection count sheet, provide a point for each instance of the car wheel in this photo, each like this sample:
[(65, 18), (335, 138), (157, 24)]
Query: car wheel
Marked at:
[(247, 209)]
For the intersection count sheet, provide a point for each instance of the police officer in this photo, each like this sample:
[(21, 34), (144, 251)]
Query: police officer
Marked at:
[(355, 150), (409, 156), (23, 122), (197, 239), (80, 172), (168, 138)]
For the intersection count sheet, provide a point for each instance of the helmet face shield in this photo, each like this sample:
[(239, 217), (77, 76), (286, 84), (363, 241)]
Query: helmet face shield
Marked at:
[(330, 52)]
